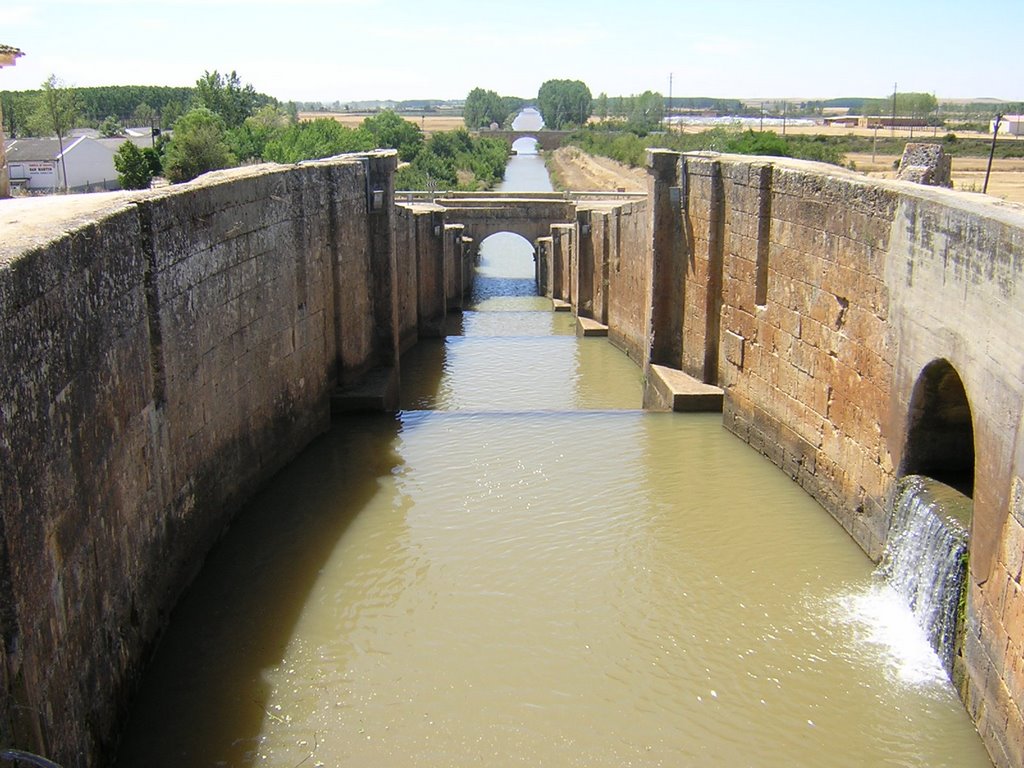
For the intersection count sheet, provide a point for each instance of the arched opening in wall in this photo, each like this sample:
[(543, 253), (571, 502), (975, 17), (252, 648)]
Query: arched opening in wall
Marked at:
[(940, 432), (525, 146), (505, 267)]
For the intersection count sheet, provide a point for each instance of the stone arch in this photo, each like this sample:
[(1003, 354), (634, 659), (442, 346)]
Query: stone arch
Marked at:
[(526, 145), (940, 429), (529, 231), (529, 217), (528, 249)]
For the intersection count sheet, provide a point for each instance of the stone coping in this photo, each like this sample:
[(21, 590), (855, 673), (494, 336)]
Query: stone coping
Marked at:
[(669, 389)]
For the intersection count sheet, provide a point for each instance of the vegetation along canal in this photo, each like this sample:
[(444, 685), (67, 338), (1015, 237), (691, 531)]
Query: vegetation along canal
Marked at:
[(522, 567)]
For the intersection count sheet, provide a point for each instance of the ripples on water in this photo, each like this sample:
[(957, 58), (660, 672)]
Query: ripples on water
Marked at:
[(521, 568)]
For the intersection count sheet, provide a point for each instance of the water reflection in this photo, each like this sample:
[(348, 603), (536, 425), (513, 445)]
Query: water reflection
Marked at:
[(207, 697)]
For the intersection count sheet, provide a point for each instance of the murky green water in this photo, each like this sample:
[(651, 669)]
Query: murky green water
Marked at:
[(524, 569)]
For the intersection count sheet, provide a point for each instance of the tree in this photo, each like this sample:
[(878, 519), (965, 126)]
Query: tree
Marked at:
[(143, 115), (17, 112), (510, 107), (133, 167), (249, 140), (322, 137), (601, 106), (647, 111), (152, 155), (907, 104), (392, 131), (564, 103), (226, 96), (57, 111), (482, 108), (171, 112), (110, 127), (199, 145)]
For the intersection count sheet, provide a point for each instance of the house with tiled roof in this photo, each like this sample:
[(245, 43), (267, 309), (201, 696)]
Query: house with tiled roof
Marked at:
[(8, 56)]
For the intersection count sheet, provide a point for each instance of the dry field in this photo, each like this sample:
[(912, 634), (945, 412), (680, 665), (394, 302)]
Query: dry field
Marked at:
[(1006, 181), (427, 123)]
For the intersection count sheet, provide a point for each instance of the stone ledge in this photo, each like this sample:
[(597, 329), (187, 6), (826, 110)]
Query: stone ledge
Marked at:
[(585, 326), (668, 389), (561, 306)]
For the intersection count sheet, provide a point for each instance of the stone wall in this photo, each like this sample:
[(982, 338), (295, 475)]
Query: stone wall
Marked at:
[(405, 249), (458, 265), (626, 230), (163, 354), (544, 266), (817, 298), (422, 280), (562, 259)]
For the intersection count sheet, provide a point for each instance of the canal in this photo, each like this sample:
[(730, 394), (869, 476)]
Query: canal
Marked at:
[(521, 567)]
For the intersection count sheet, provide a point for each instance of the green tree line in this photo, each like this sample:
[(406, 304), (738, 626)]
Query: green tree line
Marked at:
[(631, 148), (907, 105), (483, 107), (223, 122)]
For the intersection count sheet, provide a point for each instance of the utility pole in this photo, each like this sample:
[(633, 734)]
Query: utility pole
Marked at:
[(670, 101), (893, 131), (992, 151)]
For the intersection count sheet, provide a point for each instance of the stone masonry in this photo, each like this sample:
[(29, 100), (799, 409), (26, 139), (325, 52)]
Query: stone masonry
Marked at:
[(164, 353), (925, 164), (817, 298)]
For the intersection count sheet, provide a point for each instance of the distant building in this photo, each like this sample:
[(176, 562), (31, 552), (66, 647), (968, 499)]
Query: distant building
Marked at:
[(877, 121), (35, 165), (8, 56), (848, 121), (1011, 125)]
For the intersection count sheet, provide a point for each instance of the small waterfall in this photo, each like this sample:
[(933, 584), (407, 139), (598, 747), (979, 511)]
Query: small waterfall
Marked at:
[(924, 557)]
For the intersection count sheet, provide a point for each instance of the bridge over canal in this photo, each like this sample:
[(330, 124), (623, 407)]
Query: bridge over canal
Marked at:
[(546, 139), (528, 214)]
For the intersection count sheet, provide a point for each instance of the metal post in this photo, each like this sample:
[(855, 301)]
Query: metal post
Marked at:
[(991, 152), (893, 127), (670, 100)]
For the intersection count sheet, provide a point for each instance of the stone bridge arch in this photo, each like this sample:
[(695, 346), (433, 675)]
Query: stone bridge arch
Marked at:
[(546, 140), (528, 218)]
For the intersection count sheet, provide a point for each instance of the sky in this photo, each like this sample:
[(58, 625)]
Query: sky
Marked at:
[(351, 50)]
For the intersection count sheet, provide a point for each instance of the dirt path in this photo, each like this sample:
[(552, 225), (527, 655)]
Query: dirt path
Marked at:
[(571, 168)]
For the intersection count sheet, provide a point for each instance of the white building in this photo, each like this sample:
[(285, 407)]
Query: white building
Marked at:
[(37, 165), (1010, 125)]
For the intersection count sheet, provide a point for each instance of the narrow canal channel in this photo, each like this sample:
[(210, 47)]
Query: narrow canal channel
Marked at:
[(524, 568)]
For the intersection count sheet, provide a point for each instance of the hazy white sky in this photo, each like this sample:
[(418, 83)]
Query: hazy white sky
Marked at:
[(327, 50)]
